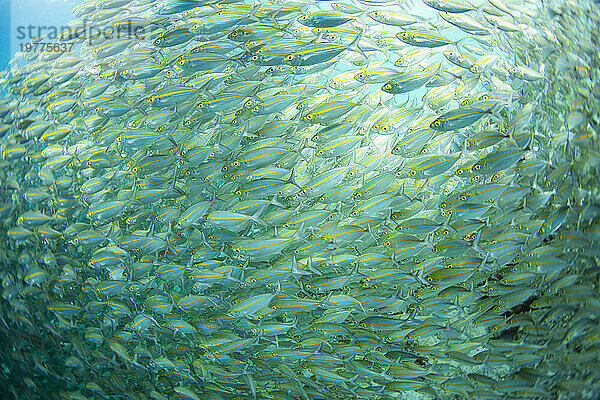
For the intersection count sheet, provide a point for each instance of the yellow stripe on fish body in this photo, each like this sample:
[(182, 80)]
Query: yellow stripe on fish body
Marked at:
[(431, 166), (251, 305), (374, 205), (106, 210), (328, 111), (458, 119), (338, 146), (261, 248)]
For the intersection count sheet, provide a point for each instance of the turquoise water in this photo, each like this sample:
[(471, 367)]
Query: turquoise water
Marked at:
[(38, 14)]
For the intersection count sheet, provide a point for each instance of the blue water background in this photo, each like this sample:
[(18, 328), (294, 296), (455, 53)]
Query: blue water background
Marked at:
[(23, 13)]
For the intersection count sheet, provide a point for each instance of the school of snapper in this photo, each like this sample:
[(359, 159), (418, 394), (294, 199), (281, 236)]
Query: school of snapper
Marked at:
[(304, 200)]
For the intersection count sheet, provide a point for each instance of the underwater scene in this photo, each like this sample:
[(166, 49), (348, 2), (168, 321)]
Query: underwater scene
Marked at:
[(301, 200)]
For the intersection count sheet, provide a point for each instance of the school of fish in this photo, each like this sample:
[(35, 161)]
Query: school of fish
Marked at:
[(370, 199)]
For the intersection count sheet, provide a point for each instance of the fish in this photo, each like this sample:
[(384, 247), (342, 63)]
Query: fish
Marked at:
[(302, 200), (457, 119)]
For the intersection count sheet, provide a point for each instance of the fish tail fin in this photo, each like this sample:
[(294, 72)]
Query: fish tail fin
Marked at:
[(134, 188), (429, 240), (256, 218), (275, 202), (285, 28), (477, 247), (296, 270), (355, 46), (292, 181), (419, 277)]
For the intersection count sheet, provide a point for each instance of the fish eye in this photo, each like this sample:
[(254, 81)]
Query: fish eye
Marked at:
[(477, 167), (412, 173), (254, 58), (320, 152), (387, 87), (459, 171), (463, 197), (289, 57), (150, 99), (256, 108), (308, 116)]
